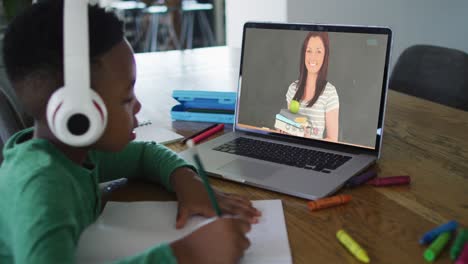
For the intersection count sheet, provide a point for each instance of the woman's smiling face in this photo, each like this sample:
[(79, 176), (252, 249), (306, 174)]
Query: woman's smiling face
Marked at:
[(314, 55)]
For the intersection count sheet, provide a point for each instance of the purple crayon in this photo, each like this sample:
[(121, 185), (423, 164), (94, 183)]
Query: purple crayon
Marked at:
[(361, 179), (389, 181)]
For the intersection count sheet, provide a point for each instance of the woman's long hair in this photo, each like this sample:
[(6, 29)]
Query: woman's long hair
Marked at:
[(322, 74)]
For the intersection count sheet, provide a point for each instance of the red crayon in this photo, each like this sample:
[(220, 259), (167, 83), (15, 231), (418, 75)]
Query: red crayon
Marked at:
[(198, 133), (389, 181), (208, 133)]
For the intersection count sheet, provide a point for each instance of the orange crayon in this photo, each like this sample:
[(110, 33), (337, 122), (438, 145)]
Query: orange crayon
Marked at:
[(329, 202)]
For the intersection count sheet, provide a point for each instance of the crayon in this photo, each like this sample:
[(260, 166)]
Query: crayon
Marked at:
[(352, 246), (328, 202), (432, 234), (463, 258), (198, 133), (208, 133), (360, 179), (116, 184), (457, 245), (389, 181), (431, 253)]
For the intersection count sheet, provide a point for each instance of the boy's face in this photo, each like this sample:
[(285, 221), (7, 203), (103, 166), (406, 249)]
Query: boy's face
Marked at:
[(113, 78)]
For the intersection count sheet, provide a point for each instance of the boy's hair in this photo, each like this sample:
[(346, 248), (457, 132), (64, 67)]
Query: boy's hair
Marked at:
[(33, 50)]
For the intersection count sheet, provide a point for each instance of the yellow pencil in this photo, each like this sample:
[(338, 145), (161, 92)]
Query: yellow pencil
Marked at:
[(352, 246)]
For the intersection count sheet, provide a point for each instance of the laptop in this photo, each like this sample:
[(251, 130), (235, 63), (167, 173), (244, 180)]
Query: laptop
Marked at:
[(310, 108)]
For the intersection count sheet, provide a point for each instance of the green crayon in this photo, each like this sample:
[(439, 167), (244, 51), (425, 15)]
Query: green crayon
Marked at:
[(457, 246), (436, 247)]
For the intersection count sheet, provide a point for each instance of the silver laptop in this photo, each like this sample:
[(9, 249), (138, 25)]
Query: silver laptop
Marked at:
[(310, 108)]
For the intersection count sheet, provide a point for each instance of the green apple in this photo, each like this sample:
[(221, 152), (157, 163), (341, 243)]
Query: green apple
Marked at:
[(294, 106)]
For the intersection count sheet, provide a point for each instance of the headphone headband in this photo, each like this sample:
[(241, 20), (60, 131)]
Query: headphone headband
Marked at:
[(76, 114), (76, 46)]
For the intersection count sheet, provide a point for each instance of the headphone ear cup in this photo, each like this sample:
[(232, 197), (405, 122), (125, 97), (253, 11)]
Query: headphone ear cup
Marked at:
[(76, 121), (101, 109), (53, 105)]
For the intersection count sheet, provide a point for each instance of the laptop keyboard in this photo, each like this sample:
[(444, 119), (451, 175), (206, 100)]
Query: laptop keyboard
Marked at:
[(284, 154)]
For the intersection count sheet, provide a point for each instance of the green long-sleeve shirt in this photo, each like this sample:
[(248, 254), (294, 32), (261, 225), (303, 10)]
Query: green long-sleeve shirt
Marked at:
[(46, 200)]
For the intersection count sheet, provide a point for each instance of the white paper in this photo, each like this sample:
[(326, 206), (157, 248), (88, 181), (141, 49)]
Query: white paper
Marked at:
[(126, 229), (150, 132)]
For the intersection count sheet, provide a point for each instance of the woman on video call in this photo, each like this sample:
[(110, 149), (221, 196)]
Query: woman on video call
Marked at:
[(318, 98)]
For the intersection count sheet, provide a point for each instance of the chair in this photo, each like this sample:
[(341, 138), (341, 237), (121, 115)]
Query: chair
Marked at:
[(157, 13), (190, 11), (131, 12), (434, 73), (10, 120)]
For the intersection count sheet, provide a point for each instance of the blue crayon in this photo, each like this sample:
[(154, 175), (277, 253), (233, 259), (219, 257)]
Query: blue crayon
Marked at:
[(431, 235), (361, 179)]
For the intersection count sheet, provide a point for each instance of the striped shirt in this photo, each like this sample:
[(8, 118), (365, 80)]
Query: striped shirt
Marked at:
[(326, 102)]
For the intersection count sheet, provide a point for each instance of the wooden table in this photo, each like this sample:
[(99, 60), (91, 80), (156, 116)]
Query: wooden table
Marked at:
[(422, 139)]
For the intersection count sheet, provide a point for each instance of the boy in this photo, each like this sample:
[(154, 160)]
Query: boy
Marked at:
[(49, 191)]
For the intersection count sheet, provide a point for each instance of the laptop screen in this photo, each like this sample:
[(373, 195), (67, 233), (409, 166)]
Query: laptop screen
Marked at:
[(317, 82)]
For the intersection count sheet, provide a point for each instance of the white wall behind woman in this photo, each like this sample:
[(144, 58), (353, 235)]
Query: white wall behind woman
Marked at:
[(240, 11)]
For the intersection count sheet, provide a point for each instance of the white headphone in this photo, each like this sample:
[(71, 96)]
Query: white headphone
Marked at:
[(76, 114)]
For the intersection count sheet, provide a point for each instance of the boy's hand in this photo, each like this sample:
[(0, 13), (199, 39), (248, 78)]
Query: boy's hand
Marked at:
[(221, 241), (194, 200)]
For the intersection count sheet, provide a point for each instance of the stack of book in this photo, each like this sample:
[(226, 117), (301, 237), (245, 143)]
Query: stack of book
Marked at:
[(290, 123)]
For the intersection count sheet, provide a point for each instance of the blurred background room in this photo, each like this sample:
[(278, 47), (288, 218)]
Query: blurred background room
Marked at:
[(160, 25)]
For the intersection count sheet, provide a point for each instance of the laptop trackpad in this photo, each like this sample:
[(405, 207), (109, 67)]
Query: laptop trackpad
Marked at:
[(251, 169)]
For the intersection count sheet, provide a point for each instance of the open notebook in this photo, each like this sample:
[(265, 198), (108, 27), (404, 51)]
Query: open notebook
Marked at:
[(126, 229), (147, 131)]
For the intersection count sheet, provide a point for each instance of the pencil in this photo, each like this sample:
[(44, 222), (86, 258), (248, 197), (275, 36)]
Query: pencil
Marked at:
[(198, 133), (201, 173)]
